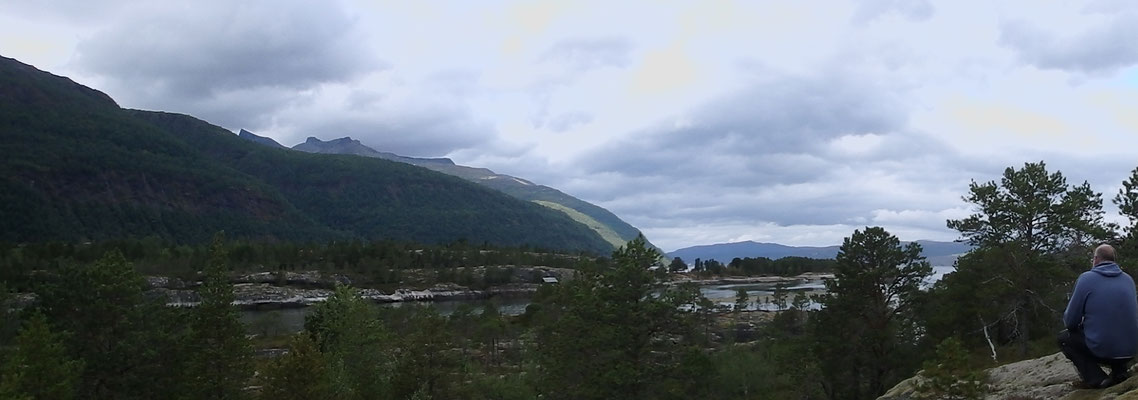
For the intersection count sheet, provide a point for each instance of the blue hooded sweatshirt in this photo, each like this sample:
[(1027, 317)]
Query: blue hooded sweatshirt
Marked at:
[(1105, 305)]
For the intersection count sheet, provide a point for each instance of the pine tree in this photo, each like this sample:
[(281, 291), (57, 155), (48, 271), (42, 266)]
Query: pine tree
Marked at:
[(865, 326), (221, 355), (1030, 232), (40, 366), (617, 333)]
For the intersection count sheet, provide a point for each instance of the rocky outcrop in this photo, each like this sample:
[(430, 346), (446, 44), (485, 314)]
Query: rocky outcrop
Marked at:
[(259, 296), (315, 279), (1042, 378)]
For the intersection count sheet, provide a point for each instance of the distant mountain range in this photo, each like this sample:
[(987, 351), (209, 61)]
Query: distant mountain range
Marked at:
[(74, 166), (605, 223), (938, 253)]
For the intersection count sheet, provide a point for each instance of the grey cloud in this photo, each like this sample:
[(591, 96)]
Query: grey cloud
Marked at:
[(868, 10), (573, 58), (768, 154), (455, 82), (425, 131), (585, 54), (760, 125), (202, 55), (567, 121), (1104, 48), (248, 108), (80, 12)]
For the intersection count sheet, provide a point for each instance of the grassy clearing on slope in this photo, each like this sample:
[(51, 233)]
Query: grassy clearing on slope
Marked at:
[(606, 233)]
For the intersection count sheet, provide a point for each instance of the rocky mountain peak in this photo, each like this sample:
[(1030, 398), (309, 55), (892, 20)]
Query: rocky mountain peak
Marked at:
[(250, 136)]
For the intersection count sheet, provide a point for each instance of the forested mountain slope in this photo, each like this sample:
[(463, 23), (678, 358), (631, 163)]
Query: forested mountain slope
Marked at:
[(604, 222), (78, 167)]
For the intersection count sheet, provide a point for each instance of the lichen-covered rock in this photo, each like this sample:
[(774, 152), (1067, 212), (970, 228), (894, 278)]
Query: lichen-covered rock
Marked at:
[(304, 278), (165, 282), (1043, 378)]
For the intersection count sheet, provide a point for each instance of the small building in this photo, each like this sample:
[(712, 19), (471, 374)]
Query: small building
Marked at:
[(550, 280)]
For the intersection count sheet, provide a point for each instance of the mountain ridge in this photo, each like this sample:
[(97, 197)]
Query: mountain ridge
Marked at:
[(250, 136), (76, 167), (605, 223), (937, 252)]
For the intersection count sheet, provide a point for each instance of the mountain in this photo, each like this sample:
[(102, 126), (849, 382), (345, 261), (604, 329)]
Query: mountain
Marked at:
[(244, 134), (605, 223), (77, 167), (938, 253), (347, 145)]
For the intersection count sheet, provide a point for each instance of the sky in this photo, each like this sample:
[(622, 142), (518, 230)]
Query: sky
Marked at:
[(698, 122)]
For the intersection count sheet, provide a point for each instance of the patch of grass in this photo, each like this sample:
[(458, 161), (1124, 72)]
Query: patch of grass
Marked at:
[(605, 231)]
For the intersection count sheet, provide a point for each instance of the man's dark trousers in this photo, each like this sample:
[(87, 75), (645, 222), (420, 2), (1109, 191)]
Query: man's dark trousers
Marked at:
[(1074, 346)]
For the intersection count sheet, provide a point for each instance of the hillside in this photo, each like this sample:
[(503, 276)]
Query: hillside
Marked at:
[(938, 253), (77, 167), (244, 134), (604, 222)]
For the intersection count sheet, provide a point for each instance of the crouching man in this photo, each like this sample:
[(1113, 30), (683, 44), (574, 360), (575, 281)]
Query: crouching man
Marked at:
[(1102, 322)]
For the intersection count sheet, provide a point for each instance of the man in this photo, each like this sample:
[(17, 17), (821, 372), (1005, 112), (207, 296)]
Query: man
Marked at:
[(1102, 322)]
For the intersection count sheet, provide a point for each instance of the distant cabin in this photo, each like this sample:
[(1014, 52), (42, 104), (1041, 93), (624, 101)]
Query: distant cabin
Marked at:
[(549, 280)]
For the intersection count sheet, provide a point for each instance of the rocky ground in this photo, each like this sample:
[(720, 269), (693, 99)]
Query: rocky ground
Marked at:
[(269, 290), (1043, 378)]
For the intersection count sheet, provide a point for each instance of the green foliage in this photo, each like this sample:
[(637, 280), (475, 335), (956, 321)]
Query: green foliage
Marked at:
[(40, 366), (1030, 232), (300, 374), (9, 316), (483, 387), (780, 297), (948, 375), (1127, 201), (785, 266), (220, 359), (133, 347), (766, 370), (742, 300), (864, 333), (425, 364), (378, 262), (616, 333), (346, 330), (677, 265)]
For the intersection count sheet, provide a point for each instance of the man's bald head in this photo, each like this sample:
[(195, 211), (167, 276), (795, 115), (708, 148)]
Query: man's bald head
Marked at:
[(1105, 253)]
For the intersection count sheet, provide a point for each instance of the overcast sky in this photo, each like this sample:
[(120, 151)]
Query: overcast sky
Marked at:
[(698, 122)]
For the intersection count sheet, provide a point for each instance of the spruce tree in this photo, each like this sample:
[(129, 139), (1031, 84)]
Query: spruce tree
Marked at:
[(221, 355)]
